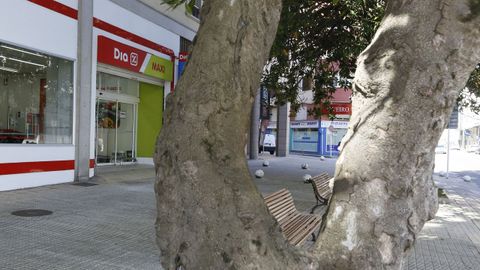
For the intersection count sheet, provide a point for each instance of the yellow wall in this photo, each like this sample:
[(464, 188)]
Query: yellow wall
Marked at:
[(150, 112)]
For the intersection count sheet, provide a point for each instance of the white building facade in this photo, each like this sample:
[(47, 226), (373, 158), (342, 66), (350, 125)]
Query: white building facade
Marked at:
[(82, 85)]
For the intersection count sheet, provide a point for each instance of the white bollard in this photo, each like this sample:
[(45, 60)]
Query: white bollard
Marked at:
[(266, 163), (259, 173), (307, 177), (322, 158), (467, 178), (304, 166)]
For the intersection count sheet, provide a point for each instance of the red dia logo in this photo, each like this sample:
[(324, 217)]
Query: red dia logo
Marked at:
[(133, 59), (119, 55)]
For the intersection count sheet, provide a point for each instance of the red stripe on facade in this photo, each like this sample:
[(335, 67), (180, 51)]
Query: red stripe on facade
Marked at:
[(57, 7), (72, 13), (130, 36), (92, 163), (37, 166)]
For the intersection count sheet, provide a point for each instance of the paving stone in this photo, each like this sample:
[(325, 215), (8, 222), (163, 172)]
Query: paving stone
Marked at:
[(452, 240), (108, 226), (111, 225)]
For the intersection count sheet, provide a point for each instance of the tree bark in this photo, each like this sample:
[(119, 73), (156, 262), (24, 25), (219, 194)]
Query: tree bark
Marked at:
[(405, 87), (210, 213)]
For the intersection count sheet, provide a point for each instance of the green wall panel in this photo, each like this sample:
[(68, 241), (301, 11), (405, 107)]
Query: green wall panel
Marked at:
[(150, 111)]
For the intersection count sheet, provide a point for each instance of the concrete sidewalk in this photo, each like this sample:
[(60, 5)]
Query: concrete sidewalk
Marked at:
[(452, 239), (111, 225), (107, 226)]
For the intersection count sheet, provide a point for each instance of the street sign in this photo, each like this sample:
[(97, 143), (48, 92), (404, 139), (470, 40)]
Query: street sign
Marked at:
[(453, 123)]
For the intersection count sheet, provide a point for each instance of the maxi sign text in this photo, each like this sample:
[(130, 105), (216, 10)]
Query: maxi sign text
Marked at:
[(117, 54)]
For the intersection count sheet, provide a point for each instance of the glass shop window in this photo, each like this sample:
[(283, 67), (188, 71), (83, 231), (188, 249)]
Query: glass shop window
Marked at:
[(304, 139), (116, 85), (36, 97)]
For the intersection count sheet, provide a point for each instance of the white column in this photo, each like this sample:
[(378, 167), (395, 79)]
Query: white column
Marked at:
[(84, 90), (283, 130)]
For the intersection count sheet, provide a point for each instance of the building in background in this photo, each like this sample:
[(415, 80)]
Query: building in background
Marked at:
[(469, 131), (312, 135), (83, 84)]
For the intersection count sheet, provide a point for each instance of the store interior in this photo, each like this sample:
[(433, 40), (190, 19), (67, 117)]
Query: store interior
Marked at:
[(36, 97)]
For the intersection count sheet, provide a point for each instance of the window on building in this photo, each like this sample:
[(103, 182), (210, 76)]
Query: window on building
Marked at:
[(196, 8), (36, 97), (304, 139), (185, 45), (307, 83), (107, 83)]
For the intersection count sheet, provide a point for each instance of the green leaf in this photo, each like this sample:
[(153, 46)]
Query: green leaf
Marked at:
[(189, 6), (173, 3)]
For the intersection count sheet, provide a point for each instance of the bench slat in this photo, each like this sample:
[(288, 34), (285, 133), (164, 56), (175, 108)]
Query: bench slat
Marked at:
[(301, 228), (302, 235), (321, 187), (275, 195), (295, 226)]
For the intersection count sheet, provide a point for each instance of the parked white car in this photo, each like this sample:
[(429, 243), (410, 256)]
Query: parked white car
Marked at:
[(268, 144)]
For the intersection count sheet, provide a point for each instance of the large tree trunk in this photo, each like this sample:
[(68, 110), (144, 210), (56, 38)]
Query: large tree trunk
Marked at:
[(211, 215), (406, 84)]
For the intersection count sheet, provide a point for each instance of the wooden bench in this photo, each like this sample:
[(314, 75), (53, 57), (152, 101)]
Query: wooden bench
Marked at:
[(295, 226), (321, 189)]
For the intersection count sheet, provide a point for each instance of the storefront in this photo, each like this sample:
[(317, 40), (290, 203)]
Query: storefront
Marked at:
[(305, 137), (133, 64), (129, 102), (37, 93), (317, 137), (333, 131)]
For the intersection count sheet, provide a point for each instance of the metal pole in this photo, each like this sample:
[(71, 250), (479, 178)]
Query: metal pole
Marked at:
[(321, 136), (331, 143), (254, 127), (448, 151)]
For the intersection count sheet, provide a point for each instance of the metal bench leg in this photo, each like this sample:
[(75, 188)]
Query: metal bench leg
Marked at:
[(318, 233), (316, 205)]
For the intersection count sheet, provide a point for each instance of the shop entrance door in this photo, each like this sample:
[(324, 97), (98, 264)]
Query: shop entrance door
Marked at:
[(115, 132)]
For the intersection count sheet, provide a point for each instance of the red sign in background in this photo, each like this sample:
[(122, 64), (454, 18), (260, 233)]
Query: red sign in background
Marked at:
[(183, 56), (120, 55), (340, 108), (182, 61)]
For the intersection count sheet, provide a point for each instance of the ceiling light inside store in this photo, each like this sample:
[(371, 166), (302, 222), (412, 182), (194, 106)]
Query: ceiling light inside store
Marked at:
[(22, 51), (26, 62), (9, 69)]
